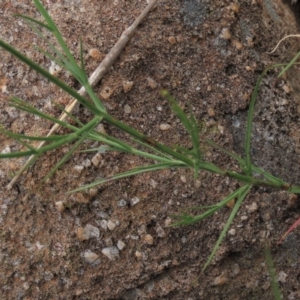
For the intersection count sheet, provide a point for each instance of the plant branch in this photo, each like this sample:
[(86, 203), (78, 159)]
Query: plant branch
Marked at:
[(93, 80)]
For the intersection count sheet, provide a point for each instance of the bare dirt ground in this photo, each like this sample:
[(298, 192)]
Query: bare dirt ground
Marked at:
[(184, 47)]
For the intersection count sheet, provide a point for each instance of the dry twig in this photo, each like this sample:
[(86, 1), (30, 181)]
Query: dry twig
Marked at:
[(288, 36), (93, 80)]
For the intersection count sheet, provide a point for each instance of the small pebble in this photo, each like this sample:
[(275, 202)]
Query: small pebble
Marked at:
[(197, 184), (145, 255), (127, 86), (230, 203), (101, 128), (26, 286), (122, 203), (237, 44), (96, 54), (6, 150), (235, 7), (106, 93), (60, 206), (12, 112), (236, 269), (153, 183), (127, 109), (282, 102), (103, 214), (210, 123), (80, 198), (225, 34), (266, 216), (89, 231), (121, 245), (253, 207), (221, 128), (160, 232), (168, 221), (48, 275), (183, 178), (282, 277), (266, 285), (111, 252), (109, 242), (78, 168), (93, 192), (232, 231), (172, 40), (54, 69), (138, 255), (91, 257), (111, 225), (103, 224), (39, 245), (96, 159), (153, 218), (164, 127), (148, 239), (209, 88), (152, 83), (286, 88), (86, 163), (134, 201), (142, 229), (211, 112), (250, 41), (220, 280)]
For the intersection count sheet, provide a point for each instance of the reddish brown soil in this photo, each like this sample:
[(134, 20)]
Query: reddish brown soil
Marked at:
[(183, 47)]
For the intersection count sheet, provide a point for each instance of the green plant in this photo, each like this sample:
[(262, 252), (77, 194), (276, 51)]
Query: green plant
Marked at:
[(273, 279), (163, 156)]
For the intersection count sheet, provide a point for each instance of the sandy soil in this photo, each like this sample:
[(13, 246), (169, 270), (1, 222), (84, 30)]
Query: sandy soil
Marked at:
[(185, 47)]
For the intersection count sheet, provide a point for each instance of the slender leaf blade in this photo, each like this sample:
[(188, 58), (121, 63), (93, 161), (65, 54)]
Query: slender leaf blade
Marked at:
[(135, 171), (243, 193)]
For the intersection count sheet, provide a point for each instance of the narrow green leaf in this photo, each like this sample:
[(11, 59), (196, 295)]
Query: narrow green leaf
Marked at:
[(212, 209), (294, 189), (22, 105), (100, 149), (250, 116), (80, 124), (18, 137), (68, 139), (132, 172), (55, 31), (82, 64), (243, 193), (271, 269), (35, 21), (47, 75), (242, 163), (290, 64), (190, 124), (124, 147), (67, 155)]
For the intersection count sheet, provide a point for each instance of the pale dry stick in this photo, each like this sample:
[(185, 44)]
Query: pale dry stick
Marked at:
[(288, 36), (93, 80)]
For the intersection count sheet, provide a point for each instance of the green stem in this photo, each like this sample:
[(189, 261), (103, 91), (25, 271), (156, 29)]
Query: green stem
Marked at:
[(253, 181)]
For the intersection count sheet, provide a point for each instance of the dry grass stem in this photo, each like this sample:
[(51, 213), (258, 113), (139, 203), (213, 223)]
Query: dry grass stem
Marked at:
[(288, 36)]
